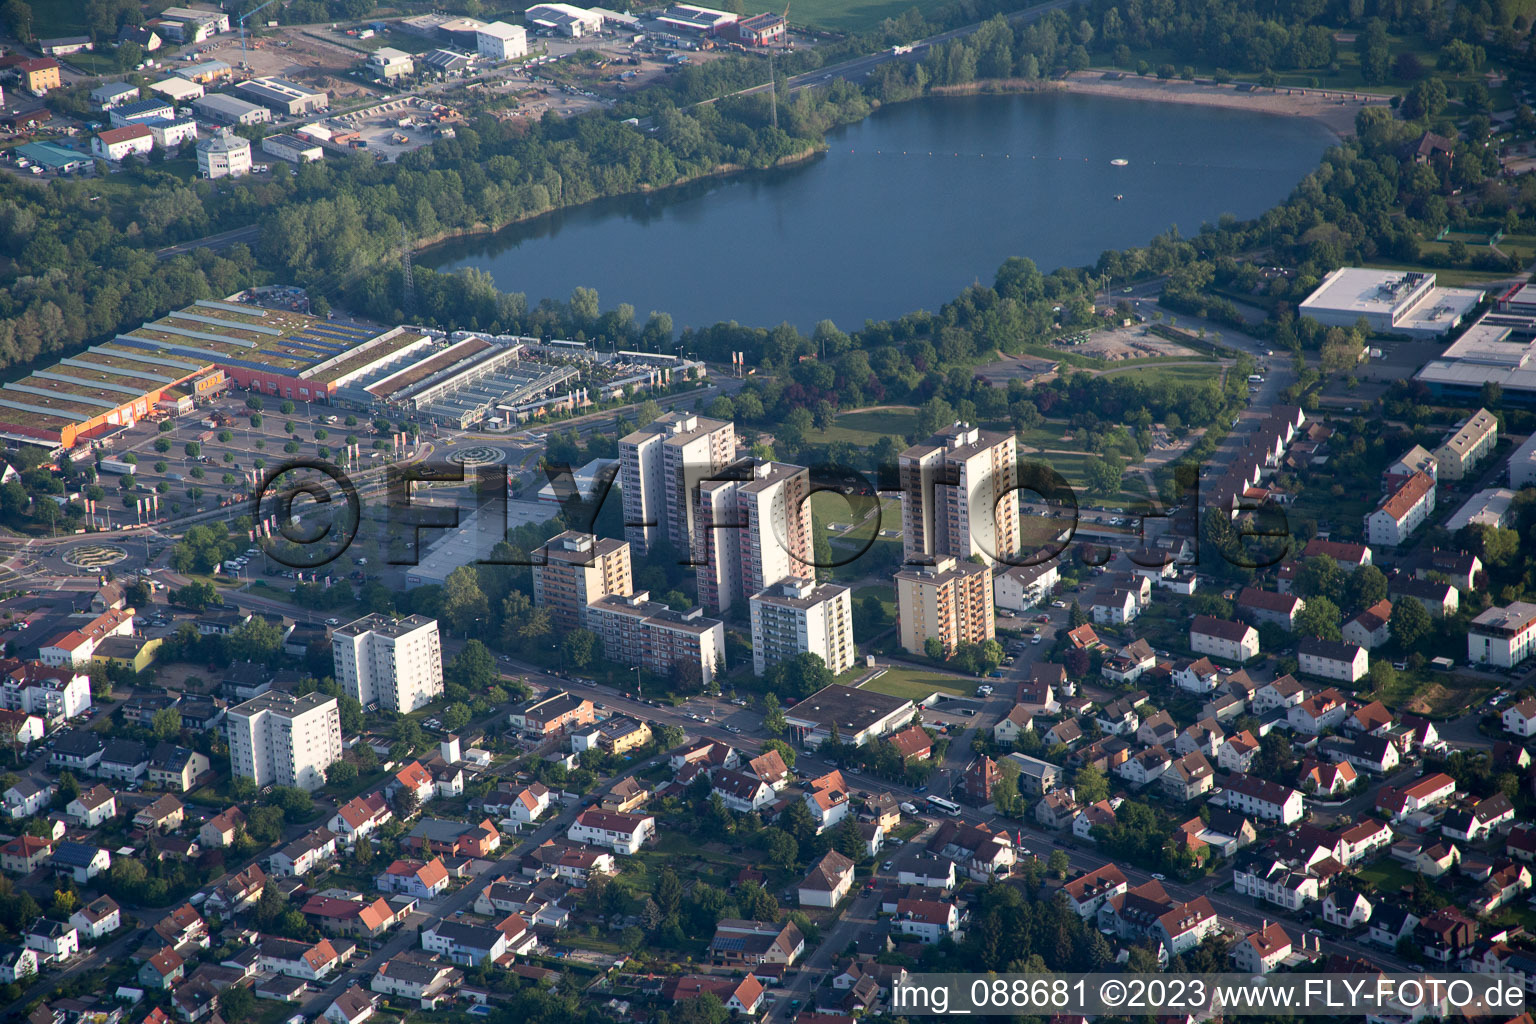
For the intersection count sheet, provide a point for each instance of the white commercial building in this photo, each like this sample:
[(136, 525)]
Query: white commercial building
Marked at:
[(292, 148), (117, 144), (224, 155), (565, 19), (394, 663), (1389, 301), (178, 90), (189, 25), (1502, 636), (500, 41), (387, 63), (278, 739), (797, 616)]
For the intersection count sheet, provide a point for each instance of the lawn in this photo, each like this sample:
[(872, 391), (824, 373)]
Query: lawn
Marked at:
[(1451, 277), (1387, 878), (867, 426), (1170, 374), (916, 683), (884, 592), (845, 15)]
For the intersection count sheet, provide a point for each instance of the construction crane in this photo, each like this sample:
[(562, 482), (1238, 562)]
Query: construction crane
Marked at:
[(244, 64)]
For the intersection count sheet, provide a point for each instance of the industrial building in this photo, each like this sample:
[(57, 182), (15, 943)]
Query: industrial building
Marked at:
[(222, 109), (564, 19), (704, 21), (114, 94), (143, 110), (190, 353), (387, 63), (207, 72), (860, 715), (1389, 301), (51, 156), (760, 30), (292, 149), (1500, 348), (284, 97), (178, 90), (189, 25), (500, 41), (223, 155), (463, 381)]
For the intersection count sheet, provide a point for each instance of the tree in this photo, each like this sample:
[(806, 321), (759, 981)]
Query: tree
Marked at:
[(773, 716), (464, 603), (1104, 475), (786, 752), (18, 18), (1089, 785), (1319, 576), (580, 647), (1366, 586), (405, 803), (166, 724), (456, 716), (933, 647), (1320, 618), (341, 773), (1076, 616), (473, 667), (1409, 623), (193, 449)]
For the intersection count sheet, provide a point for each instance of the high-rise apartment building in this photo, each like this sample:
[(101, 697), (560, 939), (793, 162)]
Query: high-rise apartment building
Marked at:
[(394, 663), (958, 496), (659, 467), (752, 528), (578, 569), (638, 631), (949, 600), (798, 615), (278, 739)]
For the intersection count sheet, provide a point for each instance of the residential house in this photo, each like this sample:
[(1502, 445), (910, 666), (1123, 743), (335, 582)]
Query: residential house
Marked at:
[(1346, 908), (622, 833), (1238, 752), (1013, 725), (1282, 694), (1390, 924), (1446, 935), (165, 813), (1087, 892), (928, 921), (422, 879), (80, 861), (359, 817), (1223, 638), (1371, 628), (755, 943), (741, 792), (1263, 950), (1401, 512), (1188, 777), (97, 919), (1263, 799), (828, 882), (463, 943), (1199, 676), (305, 854), (414, 977), (1260, 606), (742, 995), (1425, 792), (27, 797), (351, 1007), (309, 961), (1332, 659), (162, 970), (1325, 710)]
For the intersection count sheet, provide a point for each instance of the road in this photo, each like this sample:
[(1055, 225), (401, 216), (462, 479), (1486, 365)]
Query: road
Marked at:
[(222, 240)]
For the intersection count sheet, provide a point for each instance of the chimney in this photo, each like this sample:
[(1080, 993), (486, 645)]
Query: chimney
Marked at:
[(449, 749)]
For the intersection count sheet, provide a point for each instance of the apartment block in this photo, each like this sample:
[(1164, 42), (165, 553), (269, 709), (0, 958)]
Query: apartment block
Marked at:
[(54, 694), (1467, 445), (797, 616), (1402, 512), (396, 664), (752, 529), (958, 496), (659, 467), (578, 569), (638, 631), (278, 739), (948, 600), (1503, 636)]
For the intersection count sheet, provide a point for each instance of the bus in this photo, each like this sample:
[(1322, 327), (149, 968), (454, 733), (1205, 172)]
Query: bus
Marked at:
[(943, 806)]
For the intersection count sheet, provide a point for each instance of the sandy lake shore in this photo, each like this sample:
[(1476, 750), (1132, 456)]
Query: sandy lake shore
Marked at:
[(1333, 108)]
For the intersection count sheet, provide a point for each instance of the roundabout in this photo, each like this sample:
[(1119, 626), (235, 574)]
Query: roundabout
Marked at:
[(94, 556), (477, 455)]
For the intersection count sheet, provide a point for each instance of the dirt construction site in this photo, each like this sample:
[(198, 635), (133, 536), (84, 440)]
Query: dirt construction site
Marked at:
[(293, 54), (1134, 342)]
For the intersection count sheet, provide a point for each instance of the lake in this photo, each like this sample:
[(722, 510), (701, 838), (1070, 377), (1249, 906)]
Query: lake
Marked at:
[(907, 208)]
